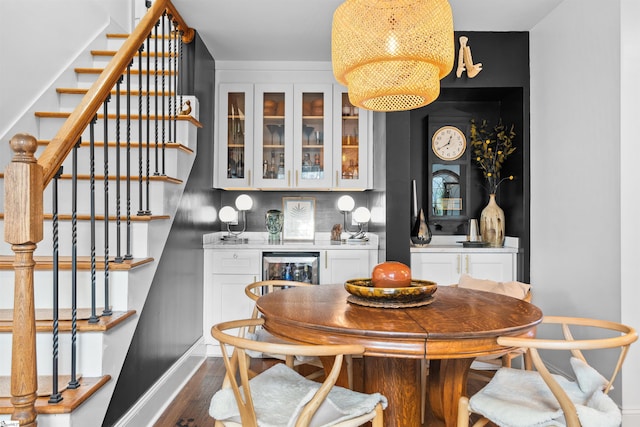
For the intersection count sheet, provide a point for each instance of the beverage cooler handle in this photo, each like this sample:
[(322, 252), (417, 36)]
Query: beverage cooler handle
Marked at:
[(249, 173)]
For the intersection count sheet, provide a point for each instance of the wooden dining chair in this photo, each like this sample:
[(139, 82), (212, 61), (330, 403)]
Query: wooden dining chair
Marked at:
[(279, 396), (520, 397), (483, 368), (254, 291)]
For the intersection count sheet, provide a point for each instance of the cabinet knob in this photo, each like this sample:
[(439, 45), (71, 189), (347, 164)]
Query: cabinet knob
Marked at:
[(235, 256)]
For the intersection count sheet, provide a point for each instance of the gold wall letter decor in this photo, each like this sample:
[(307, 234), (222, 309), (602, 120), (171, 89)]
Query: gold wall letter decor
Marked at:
[(465, 61)]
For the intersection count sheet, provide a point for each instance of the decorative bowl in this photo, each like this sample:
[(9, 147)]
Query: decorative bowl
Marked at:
[(417, 291)]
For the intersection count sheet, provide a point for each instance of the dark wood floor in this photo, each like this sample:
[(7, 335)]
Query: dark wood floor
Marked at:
[(191, 407)]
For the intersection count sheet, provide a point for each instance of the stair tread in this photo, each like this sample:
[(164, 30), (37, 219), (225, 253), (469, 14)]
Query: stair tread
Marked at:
[(172, 145), (66, 114), (125, 36), (82, 262), (113, 52), (104, 323), (135, 72), (82, 91), (72, 399), (83, 217)]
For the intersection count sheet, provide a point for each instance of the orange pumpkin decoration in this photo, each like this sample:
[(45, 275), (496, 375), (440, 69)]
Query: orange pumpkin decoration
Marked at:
[(391, 274)]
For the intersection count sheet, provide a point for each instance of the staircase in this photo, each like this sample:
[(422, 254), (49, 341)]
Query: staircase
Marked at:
[(131, 245)]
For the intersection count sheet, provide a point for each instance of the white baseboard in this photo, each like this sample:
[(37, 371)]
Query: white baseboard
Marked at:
[(630, 417), (150, 406)]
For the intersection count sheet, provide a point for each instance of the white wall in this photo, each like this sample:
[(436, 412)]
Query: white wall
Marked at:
[(39, 39), (630, 198), (577, 152)]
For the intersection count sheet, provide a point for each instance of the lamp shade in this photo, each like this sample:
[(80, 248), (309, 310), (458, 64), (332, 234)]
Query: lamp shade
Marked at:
[(361, 215), (244, 202), (392, 54), (346, 203), (228, 214)]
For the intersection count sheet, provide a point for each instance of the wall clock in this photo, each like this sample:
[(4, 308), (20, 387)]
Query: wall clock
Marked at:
[(448, 143)]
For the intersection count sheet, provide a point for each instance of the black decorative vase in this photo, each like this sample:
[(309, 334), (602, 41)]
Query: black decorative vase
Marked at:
[(420, 233)]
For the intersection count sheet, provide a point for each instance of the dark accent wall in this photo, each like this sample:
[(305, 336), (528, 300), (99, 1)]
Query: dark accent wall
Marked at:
[(501, 90), (171, 321)]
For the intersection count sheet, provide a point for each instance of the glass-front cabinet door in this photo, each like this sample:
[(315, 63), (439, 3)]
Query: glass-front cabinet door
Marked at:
[(351, 164), (235, 154), (274, 135), (312, 136)]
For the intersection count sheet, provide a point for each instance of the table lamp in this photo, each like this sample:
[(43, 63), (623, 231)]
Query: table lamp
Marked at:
[(229, 216)]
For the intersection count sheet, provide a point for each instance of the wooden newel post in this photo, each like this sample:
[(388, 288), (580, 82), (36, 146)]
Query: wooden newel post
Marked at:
[(23, 230)]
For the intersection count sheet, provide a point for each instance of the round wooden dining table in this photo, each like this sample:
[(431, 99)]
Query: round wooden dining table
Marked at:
[(457, 326)]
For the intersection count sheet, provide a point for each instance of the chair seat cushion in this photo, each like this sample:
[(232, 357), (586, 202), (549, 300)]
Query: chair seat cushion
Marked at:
[(513, 289), (521, 398), (280, 393)]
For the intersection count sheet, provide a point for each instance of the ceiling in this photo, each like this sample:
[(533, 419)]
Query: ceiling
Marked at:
[(300, 30)]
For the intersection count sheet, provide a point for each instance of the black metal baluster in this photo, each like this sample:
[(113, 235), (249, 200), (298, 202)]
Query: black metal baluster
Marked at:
[(56, 396), (92, 201), (170, 79), (73, 382), (164, 18), (155, 74), (107, 309), (181, 65), (118, 213), (175, 85), (140, 137), (128, 171), (148, 209)]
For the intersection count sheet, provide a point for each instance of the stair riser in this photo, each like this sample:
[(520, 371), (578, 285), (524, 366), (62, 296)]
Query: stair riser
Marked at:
[(85, 80), (186, 133), (43, 288), (139, 249), (68, 102), (88, 347), (84, 165), (116, 43), (101, 61), (159, 192)]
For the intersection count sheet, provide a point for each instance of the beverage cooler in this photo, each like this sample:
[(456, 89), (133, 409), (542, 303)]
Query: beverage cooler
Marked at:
[(298, 266)]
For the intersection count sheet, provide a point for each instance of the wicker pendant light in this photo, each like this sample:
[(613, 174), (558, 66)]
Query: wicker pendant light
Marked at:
[(391, 54)]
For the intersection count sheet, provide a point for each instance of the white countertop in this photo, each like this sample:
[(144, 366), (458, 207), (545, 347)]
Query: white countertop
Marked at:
[(450, 244), (260, 240)]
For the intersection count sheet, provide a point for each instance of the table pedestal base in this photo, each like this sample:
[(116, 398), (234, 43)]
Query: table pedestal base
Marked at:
[(398, 380), (447, 381)]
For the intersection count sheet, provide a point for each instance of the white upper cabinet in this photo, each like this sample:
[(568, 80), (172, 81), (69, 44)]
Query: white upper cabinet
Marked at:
[(352, 146), (273, 136), (312, 134), (234, 154), (290, 135)]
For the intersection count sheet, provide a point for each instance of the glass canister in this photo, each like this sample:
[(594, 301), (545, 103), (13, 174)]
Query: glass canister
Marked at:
[(274, 220)]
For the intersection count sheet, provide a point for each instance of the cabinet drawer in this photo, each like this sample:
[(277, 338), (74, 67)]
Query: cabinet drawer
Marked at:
[(236, 262)]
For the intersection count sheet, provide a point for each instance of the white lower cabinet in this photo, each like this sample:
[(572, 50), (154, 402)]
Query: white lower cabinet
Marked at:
[(445, 268), (226, 274), (342, 265)]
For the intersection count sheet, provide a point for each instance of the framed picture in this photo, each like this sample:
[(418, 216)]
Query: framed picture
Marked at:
[(299, 218)]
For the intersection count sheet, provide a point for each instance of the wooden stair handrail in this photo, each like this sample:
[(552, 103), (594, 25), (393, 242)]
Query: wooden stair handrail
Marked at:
[(62, 144)]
